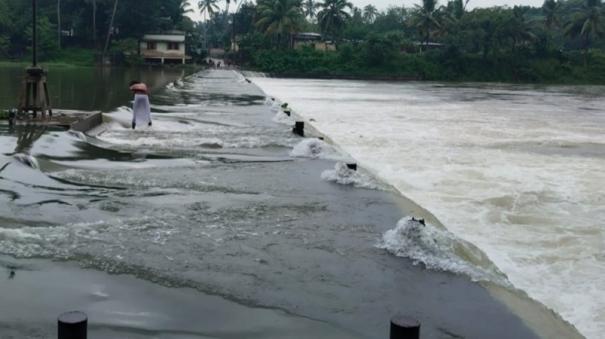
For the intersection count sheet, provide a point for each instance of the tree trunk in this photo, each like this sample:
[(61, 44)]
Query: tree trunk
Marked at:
[(59, 23), (113, 15), (206, 33)]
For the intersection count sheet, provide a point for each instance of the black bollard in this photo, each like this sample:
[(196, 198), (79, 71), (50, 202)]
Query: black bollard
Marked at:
[(404, 328), (352, 166), (73, 325), (299, 128), (288, 112)]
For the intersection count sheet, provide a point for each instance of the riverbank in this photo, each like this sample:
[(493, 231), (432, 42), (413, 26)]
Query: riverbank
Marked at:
[(440, 65), (213, 200)]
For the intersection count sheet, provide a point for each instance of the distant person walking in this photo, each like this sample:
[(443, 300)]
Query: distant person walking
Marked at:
[(141, 109)]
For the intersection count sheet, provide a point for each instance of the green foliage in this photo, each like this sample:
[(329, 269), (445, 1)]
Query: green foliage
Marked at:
[(85, 24), (46, 39), (279, 18), (128, 49), (333, 17), (75, 56)]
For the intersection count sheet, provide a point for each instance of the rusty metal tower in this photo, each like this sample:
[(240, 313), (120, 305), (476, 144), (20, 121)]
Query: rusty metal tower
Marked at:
[(34, 95)]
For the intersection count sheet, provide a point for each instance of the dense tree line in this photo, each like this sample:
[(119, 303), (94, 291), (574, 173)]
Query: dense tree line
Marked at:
[(562, 40), (86, 24)]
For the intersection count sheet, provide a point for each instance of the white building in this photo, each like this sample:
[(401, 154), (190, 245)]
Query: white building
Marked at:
[(164, 48)]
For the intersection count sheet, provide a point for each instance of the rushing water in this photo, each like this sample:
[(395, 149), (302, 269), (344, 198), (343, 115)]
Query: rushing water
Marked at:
[(515, 170)]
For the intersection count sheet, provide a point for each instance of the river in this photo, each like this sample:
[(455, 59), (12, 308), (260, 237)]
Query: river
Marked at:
[(515, 170)]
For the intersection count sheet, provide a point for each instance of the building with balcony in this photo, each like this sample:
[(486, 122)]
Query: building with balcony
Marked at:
[(164, 48)]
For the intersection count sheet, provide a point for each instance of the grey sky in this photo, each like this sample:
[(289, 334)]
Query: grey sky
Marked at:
[(383, 4)]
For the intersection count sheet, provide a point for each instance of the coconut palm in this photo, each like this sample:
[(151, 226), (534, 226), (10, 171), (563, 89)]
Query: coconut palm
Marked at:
[(279, 18), (587, 23), (370, 13), (309, 8), (425, 18), (333, 16), (551, 9), (184, 7), (519, 29), (208, 8), (456, 9)]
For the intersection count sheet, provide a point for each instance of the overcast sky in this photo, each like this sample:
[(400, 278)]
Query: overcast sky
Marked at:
[(383, 4)]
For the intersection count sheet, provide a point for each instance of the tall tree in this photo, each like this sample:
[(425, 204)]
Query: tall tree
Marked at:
[(309, 8), (587, 23), (279, 18), (370, 13), (208, 8), (333, 16), (551, 9), (518, 28), (425, 18)]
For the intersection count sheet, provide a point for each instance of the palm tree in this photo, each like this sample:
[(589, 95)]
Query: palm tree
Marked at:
[(426, 19), (309, 8), (551, 9), (279, 17), (519, 29), (587, 23), (333, 16), (208, 9), (456, 9), (184, 7), (370, 13)]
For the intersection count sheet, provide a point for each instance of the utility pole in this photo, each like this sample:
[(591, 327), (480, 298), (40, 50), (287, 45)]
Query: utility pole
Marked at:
[(94, 23), (59, 23), (34, 32), (113, 15)]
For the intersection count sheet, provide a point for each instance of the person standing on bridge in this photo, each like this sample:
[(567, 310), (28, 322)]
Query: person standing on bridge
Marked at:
[(141, 109)]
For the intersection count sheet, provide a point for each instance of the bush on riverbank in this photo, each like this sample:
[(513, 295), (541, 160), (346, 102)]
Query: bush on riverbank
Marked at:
[(377, 60)]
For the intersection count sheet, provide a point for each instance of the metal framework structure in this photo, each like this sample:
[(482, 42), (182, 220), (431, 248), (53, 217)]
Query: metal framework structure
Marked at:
[(34, 95)]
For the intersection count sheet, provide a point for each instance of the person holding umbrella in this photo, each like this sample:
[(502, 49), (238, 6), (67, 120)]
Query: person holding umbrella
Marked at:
[(141, 109)]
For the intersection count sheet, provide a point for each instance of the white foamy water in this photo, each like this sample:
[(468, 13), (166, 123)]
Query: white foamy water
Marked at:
[(516, 171)]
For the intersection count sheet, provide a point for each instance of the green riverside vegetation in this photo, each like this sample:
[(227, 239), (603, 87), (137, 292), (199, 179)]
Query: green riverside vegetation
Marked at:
[(561, 42)]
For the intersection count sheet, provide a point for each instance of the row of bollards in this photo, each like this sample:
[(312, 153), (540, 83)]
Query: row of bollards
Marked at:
[(74, 325)]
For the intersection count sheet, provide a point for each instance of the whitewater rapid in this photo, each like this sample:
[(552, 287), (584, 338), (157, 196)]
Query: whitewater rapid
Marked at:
[(515, 170)]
